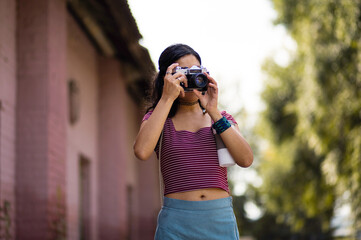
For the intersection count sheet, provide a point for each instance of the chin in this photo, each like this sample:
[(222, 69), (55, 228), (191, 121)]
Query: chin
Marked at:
[(189, 96)]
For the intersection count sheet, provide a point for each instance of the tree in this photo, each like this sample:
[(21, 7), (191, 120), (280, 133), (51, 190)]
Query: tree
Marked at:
[(313, 115)]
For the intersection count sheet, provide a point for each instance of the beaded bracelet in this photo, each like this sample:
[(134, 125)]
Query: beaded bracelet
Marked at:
[(221, 125)]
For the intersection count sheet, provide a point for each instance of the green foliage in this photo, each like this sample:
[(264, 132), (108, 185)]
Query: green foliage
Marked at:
[(313, 116), (243, 222), (5, 221), (58, 221)]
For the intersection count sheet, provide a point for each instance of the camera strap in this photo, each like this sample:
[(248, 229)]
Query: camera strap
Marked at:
[(161, 183)]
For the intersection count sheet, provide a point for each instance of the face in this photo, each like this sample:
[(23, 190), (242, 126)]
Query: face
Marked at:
[(188, 61)]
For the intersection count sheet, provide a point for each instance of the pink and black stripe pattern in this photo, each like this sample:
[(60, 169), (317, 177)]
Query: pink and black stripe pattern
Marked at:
[(189, 160)]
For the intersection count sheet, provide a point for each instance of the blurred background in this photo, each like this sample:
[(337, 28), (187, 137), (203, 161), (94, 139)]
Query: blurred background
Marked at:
[(73, 79)]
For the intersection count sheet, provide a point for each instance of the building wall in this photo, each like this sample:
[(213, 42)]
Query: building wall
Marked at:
[(128, 188), (7, 107), (40, 118), (113, 205), (82, 136), (142, 178), (52, 171), (131, 121), (149, 197)]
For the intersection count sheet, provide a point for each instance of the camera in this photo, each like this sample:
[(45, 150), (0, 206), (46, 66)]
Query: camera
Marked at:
[(196, 77)]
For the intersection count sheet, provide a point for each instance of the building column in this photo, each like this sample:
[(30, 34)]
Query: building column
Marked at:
[(113, 220), (7, 117), (149, 197), (41, 119)]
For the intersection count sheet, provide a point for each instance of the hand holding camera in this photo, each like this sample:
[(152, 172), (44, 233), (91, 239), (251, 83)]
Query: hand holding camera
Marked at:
[(209, 98), (171, 86)]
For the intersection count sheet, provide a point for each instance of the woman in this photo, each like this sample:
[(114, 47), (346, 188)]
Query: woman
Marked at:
[(197, 203)]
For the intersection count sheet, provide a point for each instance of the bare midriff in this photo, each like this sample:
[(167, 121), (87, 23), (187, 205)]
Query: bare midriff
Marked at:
[(200, 194)]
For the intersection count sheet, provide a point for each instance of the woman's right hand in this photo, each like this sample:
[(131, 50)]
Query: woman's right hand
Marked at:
[(151, 129), (172, 83)]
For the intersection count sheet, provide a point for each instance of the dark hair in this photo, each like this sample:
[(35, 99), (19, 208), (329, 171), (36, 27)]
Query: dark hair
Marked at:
[(169, 56)]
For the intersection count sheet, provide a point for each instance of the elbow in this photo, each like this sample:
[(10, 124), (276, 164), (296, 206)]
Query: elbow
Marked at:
[(247, 160), (140, 153)]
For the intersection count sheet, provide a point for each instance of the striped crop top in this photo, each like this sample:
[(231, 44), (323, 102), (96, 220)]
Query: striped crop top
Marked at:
[(189, 160)]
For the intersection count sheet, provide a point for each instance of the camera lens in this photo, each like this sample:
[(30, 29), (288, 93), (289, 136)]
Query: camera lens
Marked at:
[(200, 80)]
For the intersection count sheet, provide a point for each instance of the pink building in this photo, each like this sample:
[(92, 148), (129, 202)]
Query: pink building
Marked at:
[(72, 76)]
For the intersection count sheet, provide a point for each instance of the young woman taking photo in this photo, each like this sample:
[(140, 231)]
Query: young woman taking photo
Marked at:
[(180, 126)]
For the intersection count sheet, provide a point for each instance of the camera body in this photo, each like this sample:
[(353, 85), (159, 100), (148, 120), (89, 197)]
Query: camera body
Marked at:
[(196, 77)]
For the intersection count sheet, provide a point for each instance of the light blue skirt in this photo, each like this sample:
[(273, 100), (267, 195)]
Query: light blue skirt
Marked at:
[(197, 220)]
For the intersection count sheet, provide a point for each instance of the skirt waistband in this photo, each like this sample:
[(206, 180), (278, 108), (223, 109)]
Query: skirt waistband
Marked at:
[(198, 205)]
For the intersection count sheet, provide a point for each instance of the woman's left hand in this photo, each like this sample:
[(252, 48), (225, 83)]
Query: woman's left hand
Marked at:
[(235, 143), (210, 99)]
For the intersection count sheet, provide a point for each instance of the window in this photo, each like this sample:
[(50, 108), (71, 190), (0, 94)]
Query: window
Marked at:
[(73, 101)]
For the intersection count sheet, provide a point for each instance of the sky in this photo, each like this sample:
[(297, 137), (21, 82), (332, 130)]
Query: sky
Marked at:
[(233, 38)]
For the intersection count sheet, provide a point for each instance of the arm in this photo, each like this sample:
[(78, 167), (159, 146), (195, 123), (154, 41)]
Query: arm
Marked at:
[(151, 129), (235, 143), (232, 138)]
